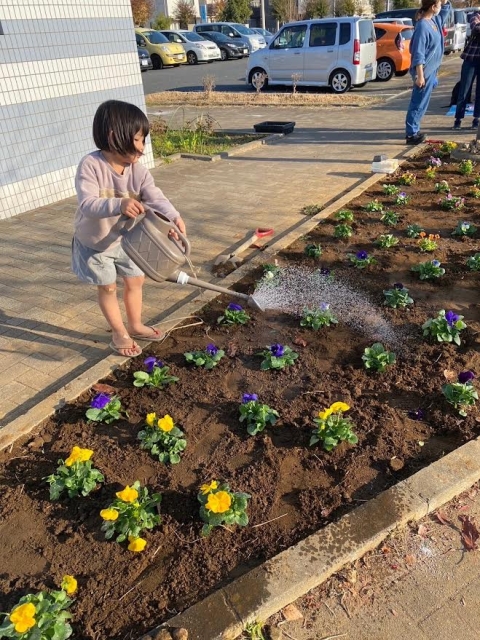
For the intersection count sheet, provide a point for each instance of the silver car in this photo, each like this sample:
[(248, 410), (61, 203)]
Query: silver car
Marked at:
[(198, 49)]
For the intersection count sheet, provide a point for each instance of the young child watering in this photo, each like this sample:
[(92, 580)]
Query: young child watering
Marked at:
[(111, 184)]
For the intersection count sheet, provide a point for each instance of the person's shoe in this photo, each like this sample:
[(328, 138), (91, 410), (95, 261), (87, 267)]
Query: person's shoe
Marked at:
[(418, 138), (475, 123), (457, 125)]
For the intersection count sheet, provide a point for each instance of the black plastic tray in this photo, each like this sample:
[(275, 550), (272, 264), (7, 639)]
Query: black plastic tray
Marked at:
[(270, 126)]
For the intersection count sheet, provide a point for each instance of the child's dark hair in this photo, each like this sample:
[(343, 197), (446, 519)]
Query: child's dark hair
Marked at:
[(115, 125)]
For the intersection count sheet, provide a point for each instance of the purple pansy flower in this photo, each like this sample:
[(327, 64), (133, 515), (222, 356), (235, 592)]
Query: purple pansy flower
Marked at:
[(151, 363), (233, 306), (402, 194), (324, 306), (416, 414), (325, 271), (451, 318), (277, 350), (435, 263), (100, 401), (249, 397), (398, 285), (361, 255), (466, 376), (211, 350)]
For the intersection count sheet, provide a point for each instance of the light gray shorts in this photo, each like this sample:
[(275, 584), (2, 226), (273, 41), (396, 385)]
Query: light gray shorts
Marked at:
[(102, 267)]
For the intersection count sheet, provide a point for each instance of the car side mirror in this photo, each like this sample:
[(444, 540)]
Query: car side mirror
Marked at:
[(142, 43)]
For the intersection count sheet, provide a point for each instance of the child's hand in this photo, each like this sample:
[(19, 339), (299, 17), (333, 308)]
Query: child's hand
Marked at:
[(181, 227), (131, 207)]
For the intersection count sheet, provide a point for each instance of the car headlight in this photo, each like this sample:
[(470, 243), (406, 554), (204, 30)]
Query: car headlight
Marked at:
[(200, 45), (165, 49)]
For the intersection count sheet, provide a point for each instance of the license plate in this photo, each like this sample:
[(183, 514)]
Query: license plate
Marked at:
[(179, 56), (145, 63), (368, 74)]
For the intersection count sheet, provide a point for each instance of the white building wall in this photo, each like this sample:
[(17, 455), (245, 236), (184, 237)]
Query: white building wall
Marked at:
[(59, 59)]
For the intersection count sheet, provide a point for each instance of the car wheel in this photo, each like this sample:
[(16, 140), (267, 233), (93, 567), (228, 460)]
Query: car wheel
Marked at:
[(385, 69), (401, 73), (258, 78), (192, 58), (224, 54), (340, 81), (156, 61)]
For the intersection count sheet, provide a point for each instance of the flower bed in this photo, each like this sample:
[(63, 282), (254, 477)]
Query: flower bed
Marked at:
[(255, 486)]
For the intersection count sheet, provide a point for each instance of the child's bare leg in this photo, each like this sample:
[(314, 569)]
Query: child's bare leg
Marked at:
[(133, 299), (108, 302)]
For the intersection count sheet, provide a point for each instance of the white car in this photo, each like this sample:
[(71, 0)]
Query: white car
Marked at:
[(198, 49)]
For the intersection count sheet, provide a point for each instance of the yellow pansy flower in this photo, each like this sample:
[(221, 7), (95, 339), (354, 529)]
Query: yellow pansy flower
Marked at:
[(323, 415), (128, 494), (69, 584), (22, 617), (206, 488), (150, 419), (136, 544), (166, 423), (78, 455), (219, 502), (109, 514), (339, 406)]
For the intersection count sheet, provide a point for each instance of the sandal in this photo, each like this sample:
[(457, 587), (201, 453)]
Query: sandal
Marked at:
[(157, 336), (133, 347)]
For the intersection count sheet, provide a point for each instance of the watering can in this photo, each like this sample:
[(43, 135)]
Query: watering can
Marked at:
[(147, 241)]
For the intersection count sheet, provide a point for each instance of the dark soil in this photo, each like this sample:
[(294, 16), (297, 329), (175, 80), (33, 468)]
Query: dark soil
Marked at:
[(296, 489)]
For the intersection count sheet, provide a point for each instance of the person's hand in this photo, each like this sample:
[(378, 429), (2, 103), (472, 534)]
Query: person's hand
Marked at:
[(420, 82), (181, 227), (131, 207)]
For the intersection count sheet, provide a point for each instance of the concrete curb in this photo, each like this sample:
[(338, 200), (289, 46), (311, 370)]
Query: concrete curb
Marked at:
[(25, 424), (268, 588)]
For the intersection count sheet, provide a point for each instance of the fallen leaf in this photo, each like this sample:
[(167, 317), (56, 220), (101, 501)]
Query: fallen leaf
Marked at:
[(300, 342), (232, 349), (101, 387), (422, 531), (470, 533), (291, 612), (385, 550), (410, 559), (442, 518), (449, 375), (393, 612), (464, 507)]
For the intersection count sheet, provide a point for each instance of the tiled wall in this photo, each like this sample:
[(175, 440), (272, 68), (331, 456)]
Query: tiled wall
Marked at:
[(59, 59)]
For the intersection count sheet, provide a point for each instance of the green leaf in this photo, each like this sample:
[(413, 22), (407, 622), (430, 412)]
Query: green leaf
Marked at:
[(93, 414)]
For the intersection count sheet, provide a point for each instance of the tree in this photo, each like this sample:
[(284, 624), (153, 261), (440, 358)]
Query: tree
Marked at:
[(162, 22), (284, 10), (237, 11), (378, 6), (142, 11), (215, 9), (316, 9), (406, 4), (184, 13), (346, 8)]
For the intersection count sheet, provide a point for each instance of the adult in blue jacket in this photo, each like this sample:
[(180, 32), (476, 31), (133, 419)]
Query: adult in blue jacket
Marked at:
[(426, 48)]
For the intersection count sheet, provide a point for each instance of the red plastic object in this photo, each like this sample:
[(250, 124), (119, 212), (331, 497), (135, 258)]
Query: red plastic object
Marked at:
[(262, 232)]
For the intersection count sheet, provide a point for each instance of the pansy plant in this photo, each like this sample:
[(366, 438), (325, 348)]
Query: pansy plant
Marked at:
[(447, 147), (162, 438), (390, 189), (318, 318), (431, 173), (277, 356), (234, 314), (42, 615), (402, 199), (461, 394), (466, 167), (333, 428), (414, 230), (343, 231), (434, 161), (475, 192), (75, 475), (207, 359), (428, 243), (105, 408), (407, 178), (313, 250), (377, 358), (473, 263), (257, 415), (156, 374), (373, 206), (450, 203), (429, 270), (390, 218), (132, 511), (361, 259), (442, 187), (219, 505), (398, 296), (446, 327), (386, 241), (464, 229), (344, 215)]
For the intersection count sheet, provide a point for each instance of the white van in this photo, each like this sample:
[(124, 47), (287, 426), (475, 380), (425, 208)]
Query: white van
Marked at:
[(336, 52), (254, 41)]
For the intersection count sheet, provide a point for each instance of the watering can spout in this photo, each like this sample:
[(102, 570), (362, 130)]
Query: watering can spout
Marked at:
[(180, 277)]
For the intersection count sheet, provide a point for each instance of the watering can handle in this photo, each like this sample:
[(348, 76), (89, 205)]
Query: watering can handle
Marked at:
[(182, 243)]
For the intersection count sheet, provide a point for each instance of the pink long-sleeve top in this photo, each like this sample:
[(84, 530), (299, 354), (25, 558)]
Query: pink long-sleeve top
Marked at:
[(100, 191)]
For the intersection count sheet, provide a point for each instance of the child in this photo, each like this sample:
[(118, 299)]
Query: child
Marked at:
[(110, 182)]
